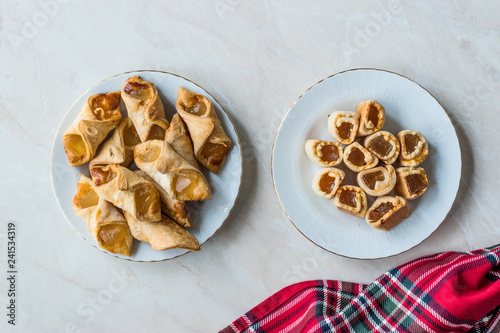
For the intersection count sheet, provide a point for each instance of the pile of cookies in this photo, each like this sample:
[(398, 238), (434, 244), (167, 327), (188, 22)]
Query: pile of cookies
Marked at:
[(149, 204), (372, 158)]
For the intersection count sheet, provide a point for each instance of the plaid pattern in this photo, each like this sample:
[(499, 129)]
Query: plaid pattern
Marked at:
[(444, 292)]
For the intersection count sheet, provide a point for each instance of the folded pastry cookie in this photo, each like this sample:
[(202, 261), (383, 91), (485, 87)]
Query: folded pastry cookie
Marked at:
[(343, 126), (162, 235), (384, 145), (128, 191), (324, 153), (119, 149), (175, 209), (351, 199), (181, 180), (387, 212), (411, 182), (372, 117), (358, 158), (105, 223), (210, 142), (377, 181), (414, 148), (145, 108), (100, 114), (327, 181), (178, 138)]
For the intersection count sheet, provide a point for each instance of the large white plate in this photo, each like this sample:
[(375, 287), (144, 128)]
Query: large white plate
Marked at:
[(208, 216), (408, 106)]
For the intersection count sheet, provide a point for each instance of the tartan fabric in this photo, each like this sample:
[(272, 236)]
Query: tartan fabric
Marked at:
[(444, 292)]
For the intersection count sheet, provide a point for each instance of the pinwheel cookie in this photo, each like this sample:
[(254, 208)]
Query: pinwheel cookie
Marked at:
[(162, 235), (372, 117), (324, 153), (119, 149), (128, 191), (352, 200), (358, 158), (383, 145), (210, 142), (99, 115), (343, 126), (327, 181), (145, 108), (387, 212), (180, 179), (106, 225), (377, 181), (414, 148)]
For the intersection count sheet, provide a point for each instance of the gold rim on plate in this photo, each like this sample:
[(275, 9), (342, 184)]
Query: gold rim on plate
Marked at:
[(281, 124), (149, 71)]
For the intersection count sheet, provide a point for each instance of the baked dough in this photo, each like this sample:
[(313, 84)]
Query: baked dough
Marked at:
[(411, 182), (327, 181), (377, 181), (324, 153), (163, 235), (105, 223), (128, 191), (387, 212), (372, 117), (210, 142), (100, 114), (180, 179), (178, 138), (343, 126), (119, 149), (351, 199), (175, 209), (414, 148), (145, 108), (358, 158), (384, 145)]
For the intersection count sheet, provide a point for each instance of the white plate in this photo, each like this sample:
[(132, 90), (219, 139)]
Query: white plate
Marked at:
[(408, 106), (208, 216)]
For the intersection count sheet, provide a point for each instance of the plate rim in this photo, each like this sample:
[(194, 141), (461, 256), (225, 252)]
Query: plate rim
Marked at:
[(149, 71), (283, 120)]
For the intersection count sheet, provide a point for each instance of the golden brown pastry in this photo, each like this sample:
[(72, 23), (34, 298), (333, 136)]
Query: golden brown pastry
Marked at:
[(414, 148), (377, 181), (145, 108), (211, 144), (343, 126), (387, 212), (162, 235), (324, 153), (178, 138), (411, 182), (100, 114), (372, 117), (119, 149), (384, 145), (105, 223), (175, 209), (327, 181), (358, 158), (180, 179), (351, 199), (128, 191)]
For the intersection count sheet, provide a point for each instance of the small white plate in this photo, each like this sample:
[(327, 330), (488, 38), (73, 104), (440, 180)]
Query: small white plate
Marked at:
[(208, 216), (408, 106)]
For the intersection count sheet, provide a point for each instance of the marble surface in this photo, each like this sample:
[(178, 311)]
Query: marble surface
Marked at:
[(256, 59)]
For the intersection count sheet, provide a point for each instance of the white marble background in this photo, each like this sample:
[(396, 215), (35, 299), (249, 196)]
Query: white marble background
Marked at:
[(256, 59)]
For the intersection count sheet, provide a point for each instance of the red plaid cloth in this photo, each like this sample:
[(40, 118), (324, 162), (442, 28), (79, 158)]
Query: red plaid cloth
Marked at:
[(445, 292)]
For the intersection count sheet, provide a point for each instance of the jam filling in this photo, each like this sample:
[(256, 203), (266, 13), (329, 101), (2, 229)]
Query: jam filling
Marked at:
[(357, 157), (214, 152), (373, 115), (416, 183), (130, 136), (380, 145), (105, 105), (330, 153), (156, 133), (75, 147), (348, 198), (380, 211), (150, 154), (411, 142), (372, 178), (112, 234), (86, 196), (327, 183), (146, 201), (196, 106), (345, 130), (101, 176), (185, 184), (137, 90)]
